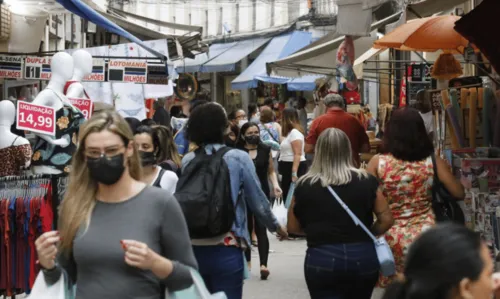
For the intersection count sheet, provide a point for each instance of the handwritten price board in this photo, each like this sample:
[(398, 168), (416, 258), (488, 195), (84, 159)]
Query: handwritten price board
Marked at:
[(36, 118), (85, 106)]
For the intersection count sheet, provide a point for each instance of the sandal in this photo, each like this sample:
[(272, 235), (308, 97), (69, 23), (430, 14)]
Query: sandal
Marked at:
[(264, 273)]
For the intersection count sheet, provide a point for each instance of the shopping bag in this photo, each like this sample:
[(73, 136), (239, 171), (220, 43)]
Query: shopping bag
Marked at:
[(59, 290), (197, 291), (289, 196), (280, 212)]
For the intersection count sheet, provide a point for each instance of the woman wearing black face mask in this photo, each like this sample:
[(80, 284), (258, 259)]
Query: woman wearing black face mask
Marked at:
[(231, 135), (249, 141), (115, 233), (148, 141)]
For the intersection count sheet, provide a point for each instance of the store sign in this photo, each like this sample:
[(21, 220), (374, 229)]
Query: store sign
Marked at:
[(421, 72), (157, 74), (84, 105), (37, 68), (11, 67), (98, 68), (129, 71), (36, 118)]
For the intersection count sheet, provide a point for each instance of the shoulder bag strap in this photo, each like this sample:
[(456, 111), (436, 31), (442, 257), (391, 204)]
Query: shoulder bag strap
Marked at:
[(434, 166), (351, 214), (158, 179)]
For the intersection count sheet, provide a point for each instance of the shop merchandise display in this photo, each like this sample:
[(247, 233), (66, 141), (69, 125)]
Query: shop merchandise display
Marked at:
[(27, 206), (15, 151), (53, 155)]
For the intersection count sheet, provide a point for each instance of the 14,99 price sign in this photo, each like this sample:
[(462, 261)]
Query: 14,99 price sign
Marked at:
[(36, 118)]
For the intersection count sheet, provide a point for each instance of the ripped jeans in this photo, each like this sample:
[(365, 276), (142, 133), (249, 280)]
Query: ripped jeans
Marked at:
[(341, 271)]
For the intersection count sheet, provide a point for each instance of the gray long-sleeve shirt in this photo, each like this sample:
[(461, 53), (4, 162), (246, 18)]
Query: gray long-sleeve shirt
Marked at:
[(98, 260)]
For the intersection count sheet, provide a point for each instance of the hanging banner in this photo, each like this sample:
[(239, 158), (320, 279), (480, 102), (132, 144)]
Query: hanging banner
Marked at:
[(11, 67), (37, 68), (36, 118), (84, 105), (98, 67), (128, 71), (157, 74)]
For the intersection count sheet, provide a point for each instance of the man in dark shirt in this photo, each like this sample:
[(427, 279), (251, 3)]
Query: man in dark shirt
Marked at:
[(336, 117), (161, 116)]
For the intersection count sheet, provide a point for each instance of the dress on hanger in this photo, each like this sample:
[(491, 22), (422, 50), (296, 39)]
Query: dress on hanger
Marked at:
[(13, 158), (68, 121)]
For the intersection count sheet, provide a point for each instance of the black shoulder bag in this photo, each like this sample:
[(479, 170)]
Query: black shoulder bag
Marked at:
[(445, 206)]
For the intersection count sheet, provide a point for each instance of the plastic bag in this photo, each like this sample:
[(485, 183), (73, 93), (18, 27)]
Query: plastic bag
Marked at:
[(197, 291), (280, 212), (41, 290), (289, 196)]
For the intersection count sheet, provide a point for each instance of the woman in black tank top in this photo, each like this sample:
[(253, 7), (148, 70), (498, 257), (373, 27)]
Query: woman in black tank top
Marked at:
[(249, 141)]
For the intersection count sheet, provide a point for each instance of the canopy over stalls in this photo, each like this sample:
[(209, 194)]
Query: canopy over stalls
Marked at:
[(279, 47), (221, 57), (319, 58)]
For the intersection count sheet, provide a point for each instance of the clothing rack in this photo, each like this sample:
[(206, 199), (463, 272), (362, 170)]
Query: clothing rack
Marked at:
[(28, 208)]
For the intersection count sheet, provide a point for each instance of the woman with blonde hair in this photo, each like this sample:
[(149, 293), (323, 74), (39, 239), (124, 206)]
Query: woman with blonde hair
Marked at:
[(341, 261), (118, 237)]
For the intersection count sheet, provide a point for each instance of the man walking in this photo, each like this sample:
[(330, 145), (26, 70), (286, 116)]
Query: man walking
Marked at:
[(336, 117)]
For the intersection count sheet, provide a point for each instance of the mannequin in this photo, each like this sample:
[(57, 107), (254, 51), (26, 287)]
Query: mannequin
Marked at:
[(82, 67), (53, 155), (15, 151)]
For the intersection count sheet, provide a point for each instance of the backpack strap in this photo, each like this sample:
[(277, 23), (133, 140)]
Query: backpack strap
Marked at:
[(158, 179)]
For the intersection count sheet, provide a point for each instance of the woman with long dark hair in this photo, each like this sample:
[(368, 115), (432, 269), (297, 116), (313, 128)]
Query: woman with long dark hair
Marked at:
[(446, 262), (249, 141), (406, 175), (292, 160)]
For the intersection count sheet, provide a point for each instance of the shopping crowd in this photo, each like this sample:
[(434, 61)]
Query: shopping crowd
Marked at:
[(150, 201)]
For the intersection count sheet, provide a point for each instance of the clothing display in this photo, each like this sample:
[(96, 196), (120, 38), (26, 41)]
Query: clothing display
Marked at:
[(14, 158), (68, 121), (26, 211)]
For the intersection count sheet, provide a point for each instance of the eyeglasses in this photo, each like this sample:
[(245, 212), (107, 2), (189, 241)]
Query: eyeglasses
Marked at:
[(109, 152)]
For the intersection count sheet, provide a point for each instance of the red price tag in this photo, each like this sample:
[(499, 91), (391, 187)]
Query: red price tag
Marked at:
[(84, 105), (36, 118)]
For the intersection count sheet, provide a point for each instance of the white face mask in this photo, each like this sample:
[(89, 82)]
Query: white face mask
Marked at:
[(242, 122)]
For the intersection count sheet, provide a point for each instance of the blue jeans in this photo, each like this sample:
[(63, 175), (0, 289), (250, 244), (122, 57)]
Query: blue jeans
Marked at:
[(341, 271), (222, 269)]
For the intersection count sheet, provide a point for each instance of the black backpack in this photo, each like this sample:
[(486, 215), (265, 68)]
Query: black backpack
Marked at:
[(204, 194)]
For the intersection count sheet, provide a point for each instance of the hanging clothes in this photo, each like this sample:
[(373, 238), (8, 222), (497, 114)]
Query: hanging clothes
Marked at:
[(27, 207)]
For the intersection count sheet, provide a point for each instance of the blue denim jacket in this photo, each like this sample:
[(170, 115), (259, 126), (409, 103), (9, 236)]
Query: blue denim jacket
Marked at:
[(242, 175)]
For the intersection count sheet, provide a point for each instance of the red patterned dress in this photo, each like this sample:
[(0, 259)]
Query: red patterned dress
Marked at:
[(407, 188)]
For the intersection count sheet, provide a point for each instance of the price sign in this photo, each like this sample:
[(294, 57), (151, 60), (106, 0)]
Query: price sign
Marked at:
[(37, 68), (36, 118), (131, 71), (84, 105), (11, 67), (97, 75), (435, 97)]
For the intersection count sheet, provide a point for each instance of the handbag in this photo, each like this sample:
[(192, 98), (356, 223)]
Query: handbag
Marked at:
[(444, 205), (384, 252), (197, 291), (58, 290)]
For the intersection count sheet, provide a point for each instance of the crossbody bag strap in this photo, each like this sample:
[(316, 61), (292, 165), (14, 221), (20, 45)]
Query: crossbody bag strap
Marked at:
[(270, 134), (351, 214)]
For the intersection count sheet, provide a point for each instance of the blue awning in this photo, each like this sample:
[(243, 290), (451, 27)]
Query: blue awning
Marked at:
[(221, 57), (279, 47), (306, 83), (84, 11)]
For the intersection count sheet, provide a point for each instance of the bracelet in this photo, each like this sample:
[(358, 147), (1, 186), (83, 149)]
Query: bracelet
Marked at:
[(294, 174)]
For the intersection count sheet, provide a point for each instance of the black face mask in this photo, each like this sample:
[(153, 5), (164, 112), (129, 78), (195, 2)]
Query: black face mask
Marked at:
[(253, 140), (229, 142), (147, 158), (107, 171)]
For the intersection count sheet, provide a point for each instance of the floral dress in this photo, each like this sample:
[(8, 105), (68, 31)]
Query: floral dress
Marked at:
[(68, 121), (407, 187)]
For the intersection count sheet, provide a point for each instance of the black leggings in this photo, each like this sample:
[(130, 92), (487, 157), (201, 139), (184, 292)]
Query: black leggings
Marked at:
[(285, 169), (262, 239)]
